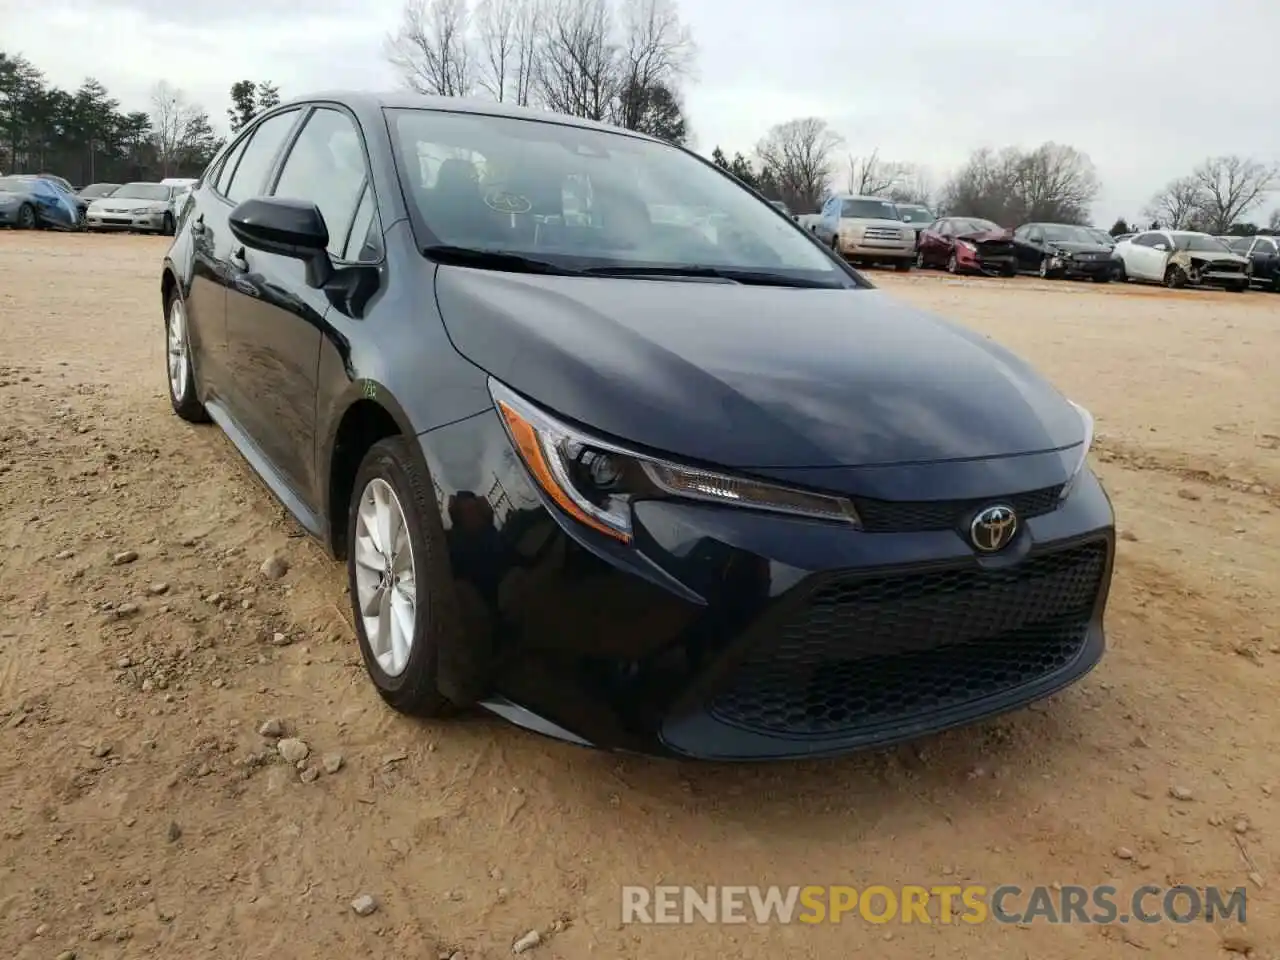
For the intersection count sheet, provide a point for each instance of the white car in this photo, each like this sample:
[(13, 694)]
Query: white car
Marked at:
[(1179, 258)]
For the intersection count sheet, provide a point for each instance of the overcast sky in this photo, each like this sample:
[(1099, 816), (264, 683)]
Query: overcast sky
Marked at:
[(1147, 88)]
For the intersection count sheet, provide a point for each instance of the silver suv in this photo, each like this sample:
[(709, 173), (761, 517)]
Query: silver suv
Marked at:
[(869, 229)]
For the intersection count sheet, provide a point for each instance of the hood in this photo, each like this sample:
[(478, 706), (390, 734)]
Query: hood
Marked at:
[(1211, 256), (1078, 246), (749, 376), (983, 235), (873, 222), (124, 203)]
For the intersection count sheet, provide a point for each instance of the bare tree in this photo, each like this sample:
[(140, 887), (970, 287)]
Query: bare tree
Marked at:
[(528, 36), (1052, 183), (1230, 187), (174, 125), (496, 35), (432, 49), (796, 155), (870, 176), (916, 186), (656, 50), (576, 72), (1177, 206)]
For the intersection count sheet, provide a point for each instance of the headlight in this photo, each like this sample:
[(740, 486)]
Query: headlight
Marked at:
[(1086, 418), (596, 482), (966, 245)]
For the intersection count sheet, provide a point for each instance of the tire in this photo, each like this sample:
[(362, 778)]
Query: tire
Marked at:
[(903, 266), (1175, 278), (952, 265), (413, 688), (179, 370), (920, 264), (26, 217), (1009, 271), (1102, 278), (1240, 287), (166, 227)]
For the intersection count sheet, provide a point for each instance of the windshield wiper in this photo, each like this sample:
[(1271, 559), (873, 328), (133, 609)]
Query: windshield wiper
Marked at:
[(759, 278), (494, 260)]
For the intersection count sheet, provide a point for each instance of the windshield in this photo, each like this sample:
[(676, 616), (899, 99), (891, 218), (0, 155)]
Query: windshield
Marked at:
[(869, 210), (970, 225), (141, 191), (1201, 244), (912, 214), (583, 198), (98, 190)]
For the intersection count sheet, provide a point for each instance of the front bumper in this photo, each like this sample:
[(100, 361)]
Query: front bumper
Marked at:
[(730, 634), (1075, 267), (124, 221), (870, 249)]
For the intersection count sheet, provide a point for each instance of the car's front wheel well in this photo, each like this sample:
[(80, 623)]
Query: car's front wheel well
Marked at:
[(364, 424), (168, 284)]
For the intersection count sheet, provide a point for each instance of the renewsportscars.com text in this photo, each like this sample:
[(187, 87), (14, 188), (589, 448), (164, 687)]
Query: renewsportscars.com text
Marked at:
[(943, 904)]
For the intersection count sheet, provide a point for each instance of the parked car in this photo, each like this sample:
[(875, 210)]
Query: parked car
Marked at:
[(1063, 250), (809, 221), (1263, 254), (618, 481), (96, 191), (1178, 258), (147, 207), (868, 230), (27, 202), (1124, 236), (917, 216), (968, 245)]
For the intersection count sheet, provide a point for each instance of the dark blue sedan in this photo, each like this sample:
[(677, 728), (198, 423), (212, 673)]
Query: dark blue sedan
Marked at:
[(27, 202)]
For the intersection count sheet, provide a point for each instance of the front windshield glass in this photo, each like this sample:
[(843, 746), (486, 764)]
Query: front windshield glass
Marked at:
[(912, 214), (579, 197), (1060, 233), (869, 210), (1199, 244), (141, 191), (98, 190), (971, 225)]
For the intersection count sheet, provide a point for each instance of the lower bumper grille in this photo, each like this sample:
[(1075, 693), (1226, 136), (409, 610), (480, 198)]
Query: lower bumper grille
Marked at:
[(867, 652)]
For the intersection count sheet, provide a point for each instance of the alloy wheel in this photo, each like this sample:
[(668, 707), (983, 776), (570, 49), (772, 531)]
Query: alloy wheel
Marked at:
[(1044, 267), (179, 357), (386, 584)]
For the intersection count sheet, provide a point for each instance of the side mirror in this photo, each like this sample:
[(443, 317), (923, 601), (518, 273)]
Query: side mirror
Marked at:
[(287, 228)]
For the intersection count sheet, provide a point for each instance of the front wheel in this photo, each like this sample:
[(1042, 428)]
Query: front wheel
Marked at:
[(402, 592), (167, 226), (1102, 278), (182, 381), (1175, 278), (1240, 287), (920, 264), (952, 265), (903, 266)]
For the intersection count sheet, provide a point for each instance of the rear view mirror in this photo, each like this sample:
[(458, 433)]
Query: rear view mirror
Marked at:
[(287, 228)]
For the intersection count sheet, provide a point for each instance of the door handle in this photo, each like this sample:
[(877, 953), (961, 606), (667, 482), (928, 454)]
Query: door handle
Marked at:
[(238, 260), (197, 225)]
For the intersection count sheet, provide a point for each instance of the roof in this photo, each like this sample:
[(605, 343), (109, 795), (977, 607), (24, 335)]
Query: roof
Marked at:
[(864, 196), (408, 100)]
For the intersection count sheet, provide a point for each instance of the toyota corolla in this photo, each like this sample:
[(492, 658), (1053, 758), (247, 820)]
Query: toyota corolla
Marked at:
[(612, 448)]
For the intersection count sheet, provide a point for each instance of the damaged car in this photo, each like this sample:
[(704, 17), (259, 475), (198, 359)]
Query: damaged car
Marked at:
[(1182, 258), (968, 245), (1062, 250), (1263, 254)]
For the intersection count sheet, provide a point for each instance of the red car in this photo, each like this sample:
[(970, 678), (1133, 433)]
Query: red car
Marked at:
[(968, 245)]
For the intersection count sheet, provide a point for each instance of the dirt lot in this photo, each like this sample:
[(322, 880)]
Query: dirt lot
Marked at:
[(142, 814)]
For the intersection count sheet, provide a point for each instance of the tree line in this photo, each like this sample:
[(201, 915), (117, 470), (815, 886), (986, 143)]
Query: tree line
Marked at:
[(615, 61), (799, 163), (85, 136)]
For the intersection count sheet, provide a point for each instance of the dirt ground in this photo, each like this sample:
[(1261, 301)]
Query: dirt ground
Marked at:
[(142, 813)]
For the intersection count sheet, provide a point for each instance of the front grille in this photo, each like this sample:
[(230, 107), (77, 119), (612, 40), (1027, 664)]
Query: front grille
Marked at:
[(881, 233), (1226, 266), (916, 516), (995, 248), (871, 651)]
